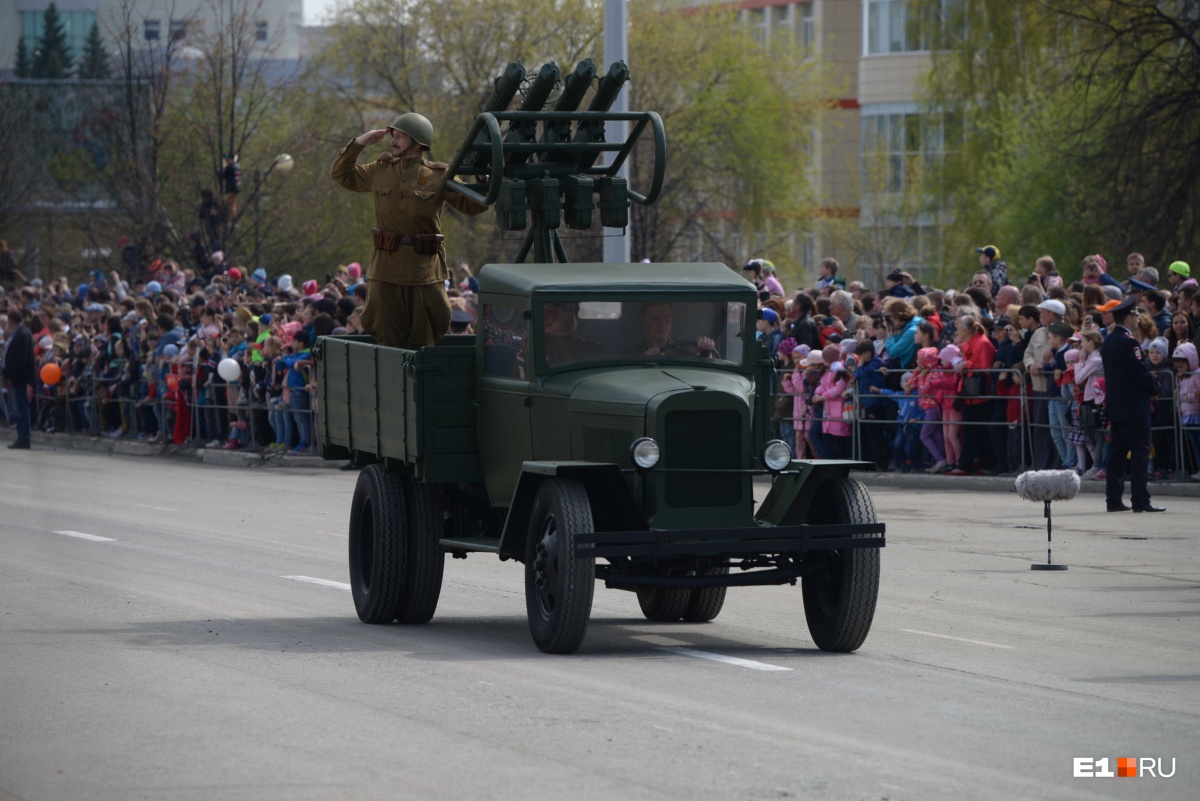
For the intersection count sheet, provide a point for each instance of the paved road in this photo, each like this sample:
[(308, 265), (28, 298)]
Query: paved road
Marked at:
[(207, 648)]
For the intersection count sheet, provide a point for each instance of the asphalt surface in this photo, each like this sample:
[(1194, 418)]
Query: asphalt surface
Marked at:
[(177, 630)]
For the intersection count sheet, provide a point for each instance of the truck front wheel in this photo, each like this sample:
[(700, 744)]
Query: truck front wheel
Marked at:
[(378, 520), (839, 599), (663, 604), (558, 584)]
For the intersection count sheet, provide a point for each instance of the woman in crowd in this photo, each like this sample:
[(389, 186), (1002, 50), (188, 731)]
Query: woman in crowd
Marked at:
[(978, 356)]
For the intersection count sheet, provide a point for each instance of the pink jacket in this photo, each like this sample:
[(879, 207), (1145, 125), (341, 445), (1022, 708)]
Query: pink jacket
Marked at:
[(793, 384), (1089, 371), (831, 389), (943, 385)]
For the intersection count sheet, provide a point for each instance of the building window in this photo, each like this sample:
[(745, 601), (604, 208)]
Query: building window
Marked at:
[(150, 30), (260, 31), (178, 29), (757, 19), (807, 33), (76, 25)]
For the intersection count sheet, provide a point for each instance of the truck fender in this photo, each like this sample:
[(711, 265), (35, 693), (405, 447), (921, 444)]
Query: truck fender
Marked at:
[(792, 493), (613, 505)]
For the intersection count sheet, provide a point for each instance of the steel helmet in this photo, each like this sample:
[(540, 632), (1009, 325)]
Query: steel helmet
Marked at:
[(415, 125)]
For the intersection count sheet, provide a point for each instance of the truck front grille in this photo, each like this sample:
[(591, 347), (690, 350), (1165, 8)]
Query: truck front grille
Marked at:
[(703, 439), (607, 443)]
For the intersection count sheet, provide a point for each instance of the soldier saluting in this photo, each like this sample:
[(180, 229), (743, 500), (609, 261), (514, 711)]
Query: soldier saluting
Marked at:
[(1129, 387), (406, 296)]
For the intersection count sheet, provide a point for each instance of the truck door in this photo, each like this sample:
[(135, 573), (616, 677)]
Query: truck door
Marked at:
[(503, 402)]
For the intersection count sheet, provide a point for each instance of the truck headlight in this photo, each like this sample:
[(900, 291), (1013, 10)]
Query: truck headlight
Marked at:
[(776, 455), (645, 453)]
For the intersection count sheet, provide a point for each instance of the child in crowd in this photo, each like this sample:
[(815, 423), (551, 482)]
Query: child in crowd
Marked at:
[(830, 395), (793, 384), (874, 411), (906, 443), (1163, 462), (1089, 380), (1187, 364), (1072, 394), (929, 400), (944, 383), (782, 401)]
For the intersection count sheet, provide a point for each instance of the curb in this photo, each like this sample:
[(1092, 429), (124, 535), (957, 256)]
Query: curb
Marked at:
[(127, 447)]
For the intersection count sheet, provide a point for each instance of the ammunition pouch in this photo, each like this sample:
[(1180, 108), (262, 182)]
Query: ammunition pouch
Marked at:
[(389, 241)]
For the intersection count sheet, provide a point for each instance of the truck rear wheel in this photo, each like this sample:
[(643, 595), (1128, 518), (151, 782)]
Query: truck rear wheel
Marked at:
[(663, 604), (839, 599), (424, 555), (378, 520), (558, 584), (704, 603)]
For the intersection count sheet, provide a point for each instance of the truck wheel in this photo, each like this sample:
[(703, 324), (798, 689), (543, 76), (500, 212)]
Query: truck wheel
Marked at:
[(558, 584), (663, 604), (378, 523), (704, 603), (839, 599), (425, 557)]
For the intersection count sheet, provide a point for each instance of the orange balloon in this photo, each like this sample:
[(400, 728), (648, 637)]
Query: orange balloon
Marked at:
[(51, 374)]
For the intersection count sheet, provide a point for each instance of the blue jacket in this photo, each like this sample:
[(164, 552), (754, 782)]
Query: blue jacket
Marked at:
[(902, 347), (866, 376), (908, 410)]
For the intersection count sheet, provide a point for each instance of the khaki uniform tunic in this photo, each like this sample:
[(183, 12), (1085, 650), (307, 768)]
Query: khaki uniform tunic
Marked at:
[(406, 298)]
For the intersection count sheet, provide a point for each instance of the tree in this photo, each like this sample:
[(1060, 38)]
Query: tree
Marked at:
[(94, 64), (22, 67), (53, 57)]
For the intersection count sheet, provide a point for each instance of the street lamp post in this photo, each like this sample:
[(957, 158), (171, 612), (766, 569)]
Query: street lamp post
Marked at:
[(283, 163)]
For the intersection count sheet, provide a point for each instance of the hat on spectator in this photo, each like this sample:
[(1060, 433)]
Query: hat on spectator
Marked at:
[(786, 347), (1140, 286), (259, 275), (36, 282), (1112, 292), (1061, 329), (1109, 306), (212, 289), (1001, 322), (803, 350), (927, 358), (991, 251), (907, 376), (1161, 345), (1125, 306), (310, 287), (851, 362), (770, 315), (837, 367), (289, 331), (153, 288), (1100, 260), (82, 290), (285, 283), (830, 354), (95, 307), (265, 319), (244, 313), (896, 275), (1071, 356), (950, 354), (1181, 268), (131, 317), (171, 350), (354, 270), (155, 266), (235, 274), (847, 345), (1055, 306)]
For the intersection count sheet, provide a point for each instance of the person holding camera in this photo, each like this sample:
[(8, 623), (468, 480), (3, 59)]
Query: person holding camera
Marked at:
[(406, 299)]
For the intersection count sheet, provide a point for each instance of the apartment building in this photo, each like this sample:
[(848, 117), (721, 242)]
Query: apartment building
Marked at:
[(276, 22)]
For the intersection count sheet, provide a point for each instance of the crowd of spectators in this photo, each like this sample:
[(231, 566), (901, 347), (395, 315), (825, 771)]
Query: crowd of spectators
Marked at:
[(993, 378)]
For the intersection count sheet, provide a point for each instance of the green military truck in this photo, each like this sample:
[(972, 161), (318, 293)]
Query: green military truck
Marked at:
[(606, 422)]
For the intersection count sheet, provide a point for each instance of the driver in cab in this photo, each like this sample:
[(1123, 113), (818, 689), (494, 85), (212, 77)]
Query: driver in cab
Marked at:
[(656, 318)]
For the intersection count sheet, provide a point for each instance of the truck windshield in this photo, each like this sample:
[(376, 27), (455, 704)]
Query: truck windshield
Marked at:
[(577, 333)]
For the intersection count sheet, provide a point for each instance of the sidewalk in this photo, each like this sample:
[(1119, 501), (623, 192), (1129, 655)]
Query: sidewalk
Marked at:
[(223, 458), (133, 447)]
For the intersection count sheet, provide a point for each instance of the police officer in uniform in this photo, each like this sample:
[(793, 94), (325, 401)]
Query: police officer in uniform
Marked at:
[(1129, 387), (406, 297)]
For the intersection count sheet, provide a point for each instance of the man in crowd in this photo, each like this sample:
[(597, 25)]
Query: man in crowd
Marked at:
[(19, 371), (989, 260), (1050, 312), (1130, 388)]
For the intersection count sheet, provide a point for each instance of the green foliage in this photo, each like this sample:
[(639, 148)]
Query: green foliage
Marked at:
[(94, 64), (23, 66), (53, 58)]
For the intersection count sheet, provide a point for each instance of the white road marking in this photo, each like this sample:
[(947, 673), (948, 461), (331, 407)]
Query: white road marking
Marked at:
[(322, 582), (156, 508), (14, 486), (729, 660), (81, 536), (959, 639)]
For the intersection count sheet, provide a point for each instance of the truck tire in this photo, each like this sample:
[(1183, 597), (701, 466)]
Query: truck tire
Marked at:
[(558, 584), (425, 557), (704, 603), (378, 523), (663, 604), (839, 599)]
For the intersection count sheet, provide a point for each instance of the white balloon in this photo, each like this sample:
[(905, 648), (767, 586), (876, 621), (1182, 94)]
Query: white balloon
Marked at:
[(230, 370)]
